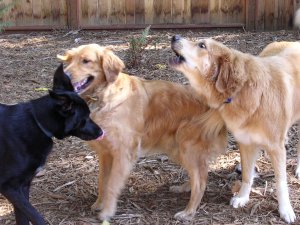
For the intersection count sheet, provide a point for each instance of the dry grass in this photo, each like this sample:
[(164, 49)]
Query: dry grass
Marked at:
[(67, 187)]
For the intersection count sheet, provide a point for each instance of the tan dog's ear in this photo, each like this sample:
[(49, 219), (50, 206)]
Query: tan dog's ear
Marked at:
[(112, 65), (66, 57), (225, 79)]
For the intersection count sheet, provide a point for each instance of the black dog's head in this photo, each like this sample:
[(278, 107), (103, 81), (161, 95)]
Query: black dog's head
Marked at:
[(72, 111)]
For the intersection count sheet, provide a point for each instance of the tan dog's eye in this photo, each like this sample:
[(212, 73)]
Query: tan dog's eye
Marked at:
[(86, 61), (202, 45)]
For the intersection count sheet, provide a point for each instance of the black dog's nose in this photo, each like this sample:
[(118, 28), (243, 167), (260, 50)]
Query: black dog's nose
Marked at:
[(176, 38)]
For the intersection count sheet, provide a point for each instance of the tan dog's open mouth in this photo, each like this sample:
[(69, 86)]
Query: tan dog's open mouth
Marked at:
[(80, 86), (176, 46)]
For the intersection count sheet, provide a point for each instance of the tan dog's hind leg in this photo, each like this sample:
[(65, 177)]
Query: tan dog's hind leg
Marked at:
[(248, 157), (120, 170), (105, 164), (297, 172), (197, 169), (278, 158)]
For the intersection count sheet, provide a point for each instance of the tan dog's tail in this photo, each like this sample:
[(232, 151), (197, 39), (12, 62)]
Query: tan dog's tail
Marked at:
[(212, 124)]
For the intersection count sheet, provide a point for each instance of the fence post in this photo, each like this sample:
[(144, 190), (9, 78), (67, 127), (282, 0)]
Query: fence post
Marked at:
[(73, 7), (250, 14)]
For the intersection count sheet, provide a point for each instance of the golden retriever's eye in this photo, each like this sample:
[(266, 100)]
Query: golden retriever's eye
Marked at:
[(202, 45), (86, 61)]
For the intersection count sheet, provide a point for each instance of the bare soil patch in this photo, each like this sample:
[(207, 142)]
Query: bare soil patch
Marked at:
[(68, 187)]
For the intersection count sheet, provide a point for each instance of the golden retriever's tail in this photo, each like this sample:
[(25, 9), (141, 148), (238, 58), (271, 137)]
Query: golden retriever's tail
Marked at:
[(212, 124)]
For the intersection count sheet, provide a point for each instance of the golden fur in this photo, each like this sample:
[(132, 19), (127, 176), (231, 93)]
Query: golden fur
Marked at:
[(144, 117), (258, 98)]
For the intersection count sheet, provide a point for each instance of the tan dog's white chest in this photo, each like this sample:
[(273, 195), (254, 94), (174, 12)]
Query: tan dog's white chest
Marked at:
[(247, 137)]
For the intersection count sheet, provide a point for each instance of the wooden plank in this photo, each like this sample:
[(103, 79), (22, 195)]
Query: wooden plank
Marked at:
[(187, 11), (232, 11), (11, 12), (103, 11), (260, 15), (74, 17), (63, 13), (140, 11), (199, 11), (214, 9), (129, 12), (37, 12), (55, 12), (46, 16), (162, 11), (177, 11), (92, 11), (269, 14), (149, 11), (250, 14), (117, 13)]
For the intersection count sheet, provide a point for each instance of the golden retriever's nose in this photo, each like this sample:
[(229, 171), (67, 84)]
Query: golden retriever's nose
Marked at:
[(176, 38)]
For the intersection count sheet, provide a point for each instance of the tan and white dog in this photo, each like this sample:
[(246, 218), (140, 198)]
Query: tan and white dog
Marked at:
[(143, 117), (258, 98)]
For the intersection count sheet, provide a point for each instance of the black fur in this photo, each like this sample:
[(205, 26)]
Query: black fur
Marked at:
[(26, 132)]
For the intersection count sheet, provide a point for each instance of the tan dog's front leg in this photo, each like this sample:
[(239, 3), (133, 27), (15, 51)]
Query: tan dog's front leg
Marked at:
[(278, 159), (249, 155), (120, 170), (105, 164)]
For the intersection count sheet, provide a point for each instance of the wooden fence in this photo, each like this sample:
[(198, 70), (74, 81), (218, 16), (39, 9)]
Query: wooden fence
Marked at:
[(130, 14)]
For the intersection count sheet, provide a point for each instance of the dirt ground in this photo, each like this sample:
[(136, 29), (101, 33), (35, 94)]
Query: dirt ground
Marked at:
[(66, 189)]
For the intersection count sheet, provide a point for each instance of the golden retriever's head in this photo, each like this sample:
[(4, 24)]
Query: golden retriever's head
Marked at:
[(208, 66), (90, 66)]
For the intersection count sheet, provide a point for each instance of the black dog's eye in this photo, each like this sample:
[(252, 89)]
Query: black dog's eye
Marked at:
[(85, 61), (202, 45)]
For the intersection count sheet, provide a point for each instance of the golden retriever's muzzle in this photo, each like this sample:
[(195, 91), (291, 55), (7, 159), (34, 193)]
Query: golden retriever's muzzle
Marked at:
[(176, 46), (80, 86)]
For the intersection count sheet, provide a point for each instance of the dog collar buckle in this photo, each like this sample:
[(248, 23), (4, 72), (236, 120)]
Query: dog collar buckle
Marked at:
[(228, 100)]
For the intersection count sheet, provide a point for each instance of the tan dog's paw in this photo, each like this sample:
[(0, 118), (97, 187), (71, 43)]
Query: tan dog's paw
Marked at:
[(186, 187), (105, 215), (184, 215), (97, 206)]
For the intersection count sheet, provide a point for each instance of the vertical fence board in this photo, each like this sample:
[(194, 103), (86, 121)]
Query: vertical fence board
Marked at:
[(117, 13), (187, 11), (103, 12), (140, 11), (250, 14), (214, 8), (129, 11), (177, 11), (269, 14), (166, 16), (149, 11), (199, 11), (36, 11), (260, 15)]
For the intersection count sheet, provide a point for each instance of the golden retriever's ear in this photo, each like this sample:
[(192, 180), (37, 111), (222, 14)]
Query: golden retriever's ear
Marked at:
[(66, 57), (112, 65), (225, 79)]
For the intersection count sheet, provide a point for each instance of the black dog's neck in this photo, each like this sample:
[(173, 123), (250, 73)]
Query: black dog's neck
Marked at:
[(44, 115)]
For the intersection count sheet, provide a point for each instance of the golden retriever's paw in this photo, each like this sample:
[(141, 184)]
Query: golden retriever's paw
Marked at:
[(237, 202), (97, 206), (287, 214), (186, 187), (297, 172), (105, 215), (184, 215)]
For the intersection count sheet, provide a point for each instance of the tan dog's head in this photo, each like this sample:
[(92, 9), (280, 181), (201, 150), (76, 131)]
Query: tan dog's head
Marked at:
[(208, 66), (90, 66)]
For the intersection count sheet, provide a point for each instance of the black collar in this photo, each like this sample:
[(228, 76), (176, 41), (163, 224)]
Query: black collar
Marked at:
[(45, 131)]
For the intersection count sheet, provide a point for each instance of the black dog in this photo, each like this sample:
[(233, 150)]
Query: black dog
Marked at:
[(26, 132)]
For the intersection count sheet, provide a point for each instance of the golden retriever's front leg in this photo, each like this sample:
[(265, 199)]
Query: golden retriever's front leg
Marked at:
[(120, 170), (278, 158), (297, 172), (248, 157), (105, 164)]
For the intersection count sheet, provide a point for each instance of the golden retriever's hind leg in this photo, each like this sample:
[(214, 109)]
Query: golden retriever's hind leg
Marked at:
[(105, 164), (278, 159), (198, 172), (297, 172), (186, 187), (248, 157), (121, 167)]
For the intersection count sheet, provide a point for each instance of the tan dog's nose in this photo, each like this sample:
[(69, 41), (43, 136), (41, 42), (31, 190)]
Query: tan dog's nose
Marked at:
[(175, 38)]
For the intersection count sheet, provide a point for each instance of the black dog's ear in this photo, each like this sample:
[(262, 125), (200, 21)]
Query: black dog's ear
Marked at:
[(61, 81), (64, 103)]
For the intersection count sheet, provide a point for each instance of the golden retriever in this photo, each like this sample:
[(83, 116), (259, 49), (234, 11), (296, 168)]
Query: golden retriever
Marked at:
[(258, 98), (141, 117)]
